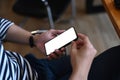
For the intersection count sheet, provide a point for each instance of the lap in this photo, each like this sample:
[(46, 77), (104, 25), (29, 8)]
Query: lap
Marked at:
[(106, 66), (59, 69)]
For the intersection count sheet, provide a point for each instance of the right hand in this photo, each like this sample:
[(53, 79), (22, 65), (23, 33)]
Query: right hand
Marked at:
[(82, 49)]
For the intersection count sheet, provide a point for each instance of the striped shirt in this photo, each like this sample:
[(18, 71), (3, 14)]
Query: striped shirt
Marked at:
[(12, 65)]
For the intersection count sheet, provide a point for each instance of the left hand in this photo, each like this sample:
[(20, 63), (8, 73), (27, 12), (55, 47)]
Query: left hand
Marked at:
[(41, 39), (56, 54)]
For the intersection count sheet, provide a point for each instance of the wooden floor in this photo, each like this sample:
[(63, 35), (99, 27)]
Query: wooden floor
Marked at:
[(97, 26)]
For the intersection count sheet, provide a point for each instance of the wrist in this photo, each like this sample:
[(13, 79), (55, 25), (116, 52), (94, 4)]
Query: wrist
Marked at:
[(31, 41), (77, 76)]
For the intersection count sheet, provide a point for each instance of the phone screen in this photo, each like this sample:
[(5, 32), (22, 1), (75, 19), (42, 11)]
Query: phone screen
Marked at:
[(61, 40)]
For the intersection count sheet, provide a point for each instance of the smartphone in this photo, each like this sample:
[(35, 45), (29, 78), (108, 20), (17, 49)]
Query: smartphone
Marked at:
[(61, 40)]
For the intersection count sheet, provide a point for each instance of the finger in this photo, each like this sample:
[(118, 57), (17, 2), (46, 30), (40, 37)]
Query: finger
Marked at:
[(83, 37), (79, 43), (57, 32), (74, 46), (49, 58), (58, 53), (52, 56), (62, 49)]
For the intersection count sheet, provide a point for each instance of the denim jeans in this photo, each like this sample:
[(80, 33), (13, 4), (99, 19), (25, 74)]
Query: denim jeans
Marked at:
[(57, 69)]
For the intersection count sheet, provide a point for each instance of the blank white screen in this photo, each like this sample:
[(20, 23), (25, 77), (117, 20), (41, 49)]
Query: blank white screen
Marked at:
[(60, 40)]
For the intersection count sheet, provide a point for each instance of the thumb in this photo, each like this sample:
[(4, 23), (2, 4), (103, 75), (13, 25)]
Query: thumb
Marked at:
[(73, 46)]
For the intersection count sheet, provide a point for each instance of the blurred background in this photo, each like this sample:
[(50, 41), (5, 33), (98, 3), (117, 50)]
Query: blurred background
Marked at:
[(90, 18)]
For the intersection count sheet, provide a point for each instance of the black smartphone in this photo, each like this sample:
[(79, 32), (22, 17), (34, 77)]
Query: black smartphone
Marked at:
[(61, 40)]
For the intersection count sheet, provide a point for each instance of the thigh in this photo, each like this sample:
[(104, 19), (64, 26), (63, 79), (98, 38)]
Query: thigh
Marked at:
[(51, 69), (61, 67), (41, 67), (106, 66)]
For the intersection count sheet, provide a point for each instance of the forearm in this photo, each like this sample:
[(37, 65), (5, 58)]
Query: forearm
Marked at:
[(18, 35), (82, 69), (82, 55)]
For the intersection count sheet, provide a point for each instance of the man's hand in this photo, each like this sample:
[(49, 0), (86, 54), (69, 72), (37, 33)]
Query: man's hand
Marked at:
[(82, 55), (41, 39)]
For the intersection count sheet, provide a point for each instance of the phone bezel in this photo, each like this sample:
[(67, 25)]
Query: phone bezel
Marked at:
[(65, 44)]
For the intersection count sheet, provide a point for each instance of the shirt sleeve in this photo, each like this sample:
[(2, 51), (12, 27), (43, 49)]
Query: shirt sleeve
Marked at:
[(4, 25)]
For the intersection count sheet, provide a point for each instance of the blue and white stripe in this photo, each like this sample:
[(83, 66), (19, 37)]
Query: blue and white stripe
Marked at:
[(12, 65)]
